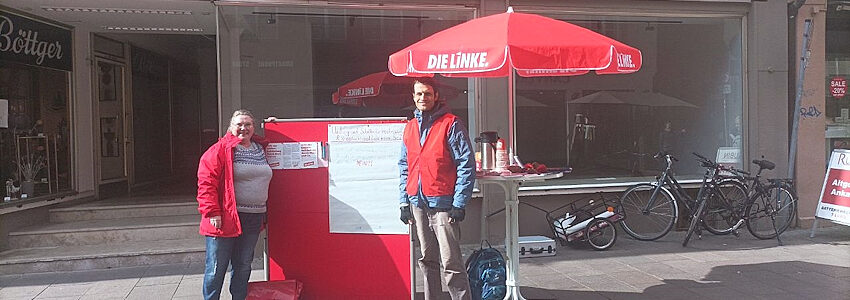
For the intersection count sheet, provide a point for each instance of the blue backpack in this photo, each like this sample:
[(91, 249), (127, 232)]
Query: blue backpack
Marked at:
[(487, 274)]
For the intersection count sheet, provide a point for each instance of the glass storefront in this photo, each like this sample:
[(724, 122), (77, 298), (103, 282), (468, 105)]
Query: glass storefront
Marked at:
[(35, 135), (687, 97), (288, 61), (35, 110), (837, 67)]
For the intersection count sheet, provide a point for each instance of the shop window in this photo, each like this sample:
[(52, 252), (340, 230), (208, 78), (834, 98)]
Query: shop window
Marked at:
[(837, 100), (687, 97), (309, 52), (34, 131)]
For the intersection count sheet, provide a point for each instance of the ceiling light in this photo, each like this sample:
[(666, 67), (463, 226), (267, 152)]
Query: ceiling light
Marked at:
[(159, 29), (117, 10)]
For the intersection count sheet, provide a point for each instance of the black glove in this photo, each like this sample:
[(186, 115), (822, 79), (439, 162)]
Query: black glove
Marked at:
[(457, 214), (406, 216)]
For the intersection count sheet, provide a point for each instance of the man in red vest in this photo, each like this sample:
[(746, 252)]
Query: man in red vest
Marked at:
[(437, 174)]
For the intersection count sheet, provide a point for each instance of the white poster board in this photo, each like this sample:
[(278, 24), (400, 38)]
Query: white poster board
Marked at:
[(364, 178)]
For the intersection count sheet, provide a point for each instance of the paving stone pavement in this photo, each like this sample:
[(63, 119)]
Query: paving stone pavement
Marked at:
[(714, 267)]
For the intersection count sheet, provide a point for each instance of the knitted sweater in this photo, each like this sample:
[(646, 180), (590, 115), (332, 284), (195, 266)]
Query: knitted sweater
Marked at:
[(252, 175)]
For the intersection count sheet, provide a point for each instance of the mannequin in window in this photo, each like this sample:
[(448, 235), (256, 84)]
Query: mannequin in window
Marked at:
[(669, 139), (735, 135)]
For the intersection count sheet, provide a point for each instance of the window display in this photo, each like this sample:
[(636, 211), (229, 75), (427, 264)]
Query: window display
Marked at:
[(837, 106), (34, 144), (289, 61), (687, 97)]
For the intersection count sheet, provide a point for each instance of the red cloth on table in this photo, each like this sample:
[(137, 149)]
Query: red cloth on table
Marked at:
[(277, 290)]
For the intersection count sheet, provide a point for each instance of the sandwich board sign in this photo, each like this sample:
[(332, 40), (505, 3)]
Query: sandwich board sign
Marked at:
[(834, 203)]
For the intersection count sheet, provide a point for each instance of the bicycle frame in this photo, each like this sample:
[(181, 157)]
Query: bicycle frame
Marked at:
[(668, 179)]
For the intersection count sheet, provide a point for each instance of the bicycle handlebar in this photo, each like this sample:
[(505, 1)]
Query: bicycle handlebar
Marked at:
[(662, 154), (704, 161), (708, 163)]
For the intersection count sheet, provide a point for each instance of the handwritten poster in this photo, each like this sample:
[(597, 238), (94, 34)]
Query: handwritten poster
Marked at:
[(303, 155), (364, 178)]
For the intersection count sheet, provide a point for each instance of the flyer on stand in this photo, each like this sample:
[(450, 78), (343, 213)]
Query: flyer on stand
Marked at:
[(295, 155)]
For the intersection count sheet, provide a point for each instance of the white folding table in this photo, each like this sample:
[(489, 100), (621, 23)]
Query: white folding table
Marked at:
[(510, 183)]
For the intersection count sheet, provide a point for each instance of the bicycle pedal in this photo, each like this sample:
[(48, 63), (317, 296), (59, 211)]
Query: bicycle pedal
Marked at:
[(736, 233)]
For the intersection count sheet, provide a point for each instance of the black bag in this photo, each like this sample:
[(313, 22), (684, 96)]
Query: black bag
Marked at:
[(487, 274)]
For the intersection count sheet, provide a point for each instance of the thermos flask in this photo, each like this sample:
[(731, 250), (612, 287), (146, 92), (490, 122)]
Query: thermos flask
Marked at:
[(488, 140)]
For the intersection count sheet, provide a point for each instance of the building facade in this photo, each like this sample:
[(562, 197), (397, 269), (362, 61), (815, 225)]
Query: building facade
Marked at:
[(718, 75)]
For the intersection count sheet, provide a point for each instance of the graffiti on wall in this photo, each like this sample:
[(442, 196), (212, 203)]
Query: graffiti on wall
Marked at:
[(810, 112)]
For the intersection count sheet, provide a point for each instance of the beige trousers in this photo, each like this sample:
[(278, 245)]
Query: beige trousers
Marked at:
[(440, 243)]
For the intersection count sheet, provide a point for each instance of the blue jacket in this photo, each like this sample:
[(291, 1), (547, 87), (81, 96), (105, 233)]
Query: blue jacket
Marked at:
[(462, 153)]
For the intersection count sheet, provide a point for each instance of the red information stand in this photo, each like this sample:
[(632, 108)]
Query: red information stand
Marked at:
[(301, 247)]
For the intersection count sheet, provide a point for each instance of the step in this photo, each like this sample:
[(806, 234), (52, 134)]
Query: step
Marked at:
[(106, 232), (123, 208), (89, 257)]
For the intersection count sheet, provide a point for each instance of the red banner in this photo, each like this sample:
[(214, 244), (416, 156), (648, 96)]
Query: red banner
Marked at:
[(837, 189)]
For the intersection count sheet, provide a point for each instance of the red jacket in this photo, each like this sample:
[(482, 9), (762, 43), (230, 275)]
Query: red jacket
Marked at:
[(215, 187), (430, 163)]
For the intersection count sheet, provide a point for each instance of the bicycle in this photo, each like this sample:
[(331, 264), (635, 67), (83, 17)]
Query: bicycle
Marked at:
[(717, 197), (775, 199), (651, 209)]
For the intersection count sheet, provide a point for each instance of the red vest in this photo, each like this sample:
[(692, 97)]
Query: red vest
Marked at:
[(431, 162)]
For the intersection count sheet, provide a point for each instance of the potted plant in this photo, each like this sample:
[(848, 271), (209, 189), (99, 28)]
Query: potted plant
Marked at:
[(29, 166)]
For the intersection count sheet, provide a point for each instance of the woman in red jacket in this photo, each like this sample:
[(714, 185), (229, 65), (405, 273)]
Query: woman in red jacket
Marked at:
[(233, 187)]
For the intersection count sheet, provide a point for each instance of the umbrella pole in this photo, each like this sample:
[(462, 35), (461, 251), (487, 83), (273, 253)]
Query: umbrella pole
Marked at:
[(511, 113)]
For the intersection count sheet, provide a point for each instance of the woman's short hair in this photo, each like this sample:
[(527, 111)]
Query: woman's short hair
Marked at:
[(241, 112)]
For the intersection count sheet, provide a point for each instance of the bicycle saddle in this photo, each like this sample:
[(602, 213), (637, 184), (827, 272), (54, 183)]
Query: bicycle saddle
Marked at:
[(764, 164)]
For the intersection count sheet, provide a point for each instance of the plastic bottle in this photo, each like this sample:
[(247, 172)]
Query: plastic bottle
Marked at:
[(502, 159)]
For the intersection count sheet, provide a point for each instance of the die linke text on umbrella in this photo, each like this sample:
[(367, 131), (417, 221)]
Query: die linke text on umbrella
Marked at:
[(364, 91), (459, 60), (625, 61)]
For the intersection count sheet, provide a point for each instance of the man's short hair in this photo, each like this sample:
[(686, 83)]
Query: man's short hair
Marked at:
[(429, 81)]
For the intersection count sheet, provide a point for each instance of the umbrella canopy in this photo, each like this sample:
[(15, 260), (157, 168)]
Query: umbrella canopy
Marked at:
[(382, 89), (632, 98), (376, 89), (533, 45), (496, 45)]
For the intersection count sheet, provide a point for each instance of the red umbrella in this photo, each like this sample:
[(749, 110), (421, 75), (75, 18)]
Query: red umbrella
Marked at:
[(375, 86), (533, 45), (382, 89)]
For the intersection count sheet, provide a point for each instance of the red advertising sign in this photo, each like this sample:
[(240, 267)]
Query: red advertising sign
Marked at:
[(838, 86), (834, 201), (838, 188)]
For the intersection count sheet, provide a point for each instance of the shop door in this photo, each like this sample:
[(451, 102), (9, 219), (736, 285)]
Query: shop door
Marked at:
[(112, 137)]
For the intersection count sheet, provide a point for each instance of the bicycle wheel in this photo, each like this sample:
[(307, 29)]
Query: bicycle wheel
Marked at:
[(771, 212), (695, 220), (656, 221), (601, 234), (725, 207)]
